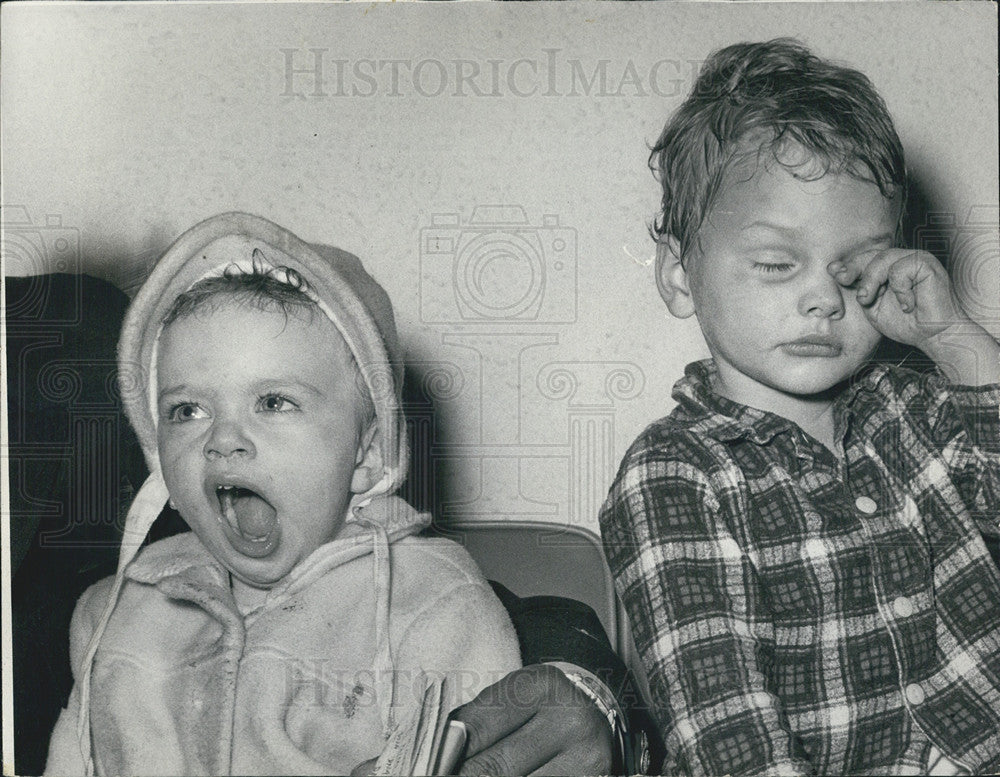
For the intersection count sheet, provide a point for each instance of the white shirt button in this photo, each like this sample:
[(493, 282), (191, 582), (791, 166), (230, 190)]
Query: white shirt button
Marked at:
[(914, 694), (866, 504), (902, 606)]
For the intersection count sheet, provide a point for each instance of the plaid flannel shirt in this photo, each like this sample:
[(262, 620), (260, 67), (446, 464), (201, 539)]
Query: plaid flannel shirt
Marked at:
[(800, 614)]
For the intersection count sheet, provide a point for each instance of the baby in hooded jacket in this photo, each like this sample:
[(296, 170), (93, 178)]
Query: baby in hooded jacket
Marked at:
[(285, 633)]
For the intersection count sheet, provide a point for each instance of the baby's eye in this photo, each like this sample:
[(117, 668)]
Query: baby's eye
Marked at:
[(185, 411), (275, 403)]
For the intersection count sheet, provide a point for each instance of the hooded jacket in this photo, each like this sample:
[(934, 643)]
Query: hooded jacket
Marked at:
[(172, 678)]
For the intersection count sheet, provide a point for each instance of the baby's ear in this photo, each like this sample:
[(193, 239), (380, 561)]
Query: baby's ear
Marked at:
[(368, 465), (671, 278)]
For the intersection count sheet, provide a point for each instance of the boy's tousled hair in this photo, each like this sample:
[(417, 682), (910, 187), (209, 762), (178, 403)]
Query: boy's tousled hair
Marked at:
[(265, 288), (761, 98)]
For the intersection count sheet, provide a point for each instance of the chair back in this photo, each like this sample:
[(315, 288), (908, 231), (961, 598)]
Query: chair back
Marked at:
[(532, 558)]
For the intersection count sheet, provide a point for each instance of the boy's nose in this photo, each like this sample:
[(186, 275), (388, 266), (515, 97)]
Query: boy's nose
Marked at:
[(823, 297), (226, 439)]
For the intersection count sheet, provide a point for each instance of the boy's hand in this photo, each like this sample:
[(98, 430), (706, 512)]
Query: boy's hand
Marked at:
[(906, 294), (908, 297)]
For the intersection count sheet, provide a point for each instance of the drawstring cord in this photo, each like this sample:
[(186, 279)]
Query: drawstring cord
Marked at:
[(382, 581), (145, 507)]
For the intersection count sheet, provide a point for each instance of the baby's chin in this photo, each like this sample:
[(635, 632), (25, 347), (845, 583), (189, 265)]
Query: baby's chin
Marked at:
[(264, 579), (263, 573), (269, 572)]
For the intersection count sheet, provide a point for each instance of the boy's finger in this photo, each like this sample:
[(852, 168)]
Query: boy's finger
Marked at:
[(844, 273), (874, 276), (906, 299), (904, 274)]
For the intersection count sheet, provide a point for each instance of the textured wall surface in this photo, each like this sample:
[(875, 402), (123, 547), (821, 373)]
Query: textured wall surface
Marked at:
[(538, 344)]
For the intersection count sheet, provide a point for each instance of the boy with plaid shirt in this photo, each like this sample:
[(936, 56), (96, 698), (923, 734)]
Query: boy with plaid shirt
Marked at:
[(802, 544)]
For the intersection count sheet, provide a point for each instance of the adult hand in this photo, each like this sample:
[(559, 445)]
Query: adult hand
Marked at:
[(535, 721)]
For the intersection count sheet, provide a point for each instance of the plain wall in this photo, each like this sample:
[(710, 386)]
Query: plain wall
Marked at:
[(125, 125)]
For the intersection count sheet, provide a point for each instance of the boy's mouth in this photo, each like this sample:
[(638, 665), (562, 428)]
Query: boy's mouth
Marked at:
[(252, 519), (814, 345)]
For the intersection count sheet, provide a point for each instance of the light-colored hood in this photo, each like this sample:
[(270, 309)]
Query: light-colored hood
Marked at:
[(362, 313)]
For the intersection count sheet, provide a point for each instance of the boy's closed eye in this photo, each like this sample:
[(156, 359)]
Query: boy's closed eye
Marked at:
[(772, 262), (773, 267)]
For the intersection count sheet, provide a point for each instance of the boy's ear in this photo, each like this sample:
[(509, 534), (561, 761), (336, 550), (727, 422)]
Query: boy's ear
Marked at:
[(368, 464), (671, 278)]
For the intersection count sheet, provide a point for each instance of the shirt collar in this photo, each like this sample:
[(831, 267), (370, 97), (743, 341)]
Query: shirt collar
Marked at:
[(719, 417), (728, 421)]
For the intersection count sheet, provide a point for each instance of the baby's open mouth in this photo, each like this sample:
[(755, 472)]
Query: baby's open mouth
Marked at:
[(249, 515)]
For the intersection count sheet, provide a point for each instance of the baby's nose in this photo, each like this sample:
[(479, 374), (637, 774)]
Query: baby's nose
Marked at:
[(226, 439)]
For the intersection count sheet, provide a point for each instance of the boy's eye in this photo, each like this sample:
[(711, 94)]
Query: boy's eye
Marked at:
[(275, 403), (773, 267), (186, 411)]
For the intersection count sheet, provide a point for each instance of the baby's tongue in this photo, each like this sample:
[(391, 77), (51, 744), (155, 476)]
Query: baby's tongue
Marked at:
[(254, 517)]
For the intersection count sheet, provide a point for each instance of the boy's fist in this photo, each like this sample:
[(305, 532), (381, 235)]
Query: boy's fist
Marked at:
[(906, 294)]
